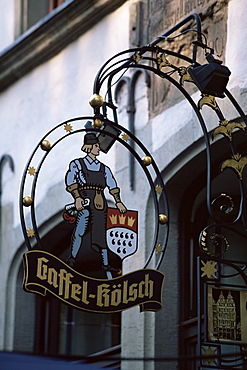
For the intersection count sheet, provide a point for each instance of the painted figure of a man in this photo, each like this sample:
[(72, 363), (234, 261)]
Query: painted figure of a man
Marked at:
[(86, 180)]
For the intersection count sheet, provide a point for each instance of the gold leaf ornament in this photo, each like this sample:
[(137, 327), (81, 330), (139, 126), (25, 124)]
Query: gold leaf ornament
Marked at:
[(136, 57), (226, 128), (237, 163), (184, 75), (162, 61), (208, 100)]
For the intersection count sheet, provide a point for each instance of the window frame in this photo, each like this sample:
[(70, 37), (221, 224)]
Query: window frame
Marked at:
[(51, 35)]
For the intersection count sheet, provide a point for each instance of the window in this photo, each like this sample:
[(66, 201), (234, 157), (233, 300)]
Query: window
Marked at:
[(62, 330), (31, 11), (45, 325)]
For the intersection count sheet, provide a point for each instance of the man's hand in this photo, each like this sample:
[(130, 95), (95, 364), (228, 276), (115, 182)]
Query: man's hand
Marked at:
[(121, 207), (79, 204)]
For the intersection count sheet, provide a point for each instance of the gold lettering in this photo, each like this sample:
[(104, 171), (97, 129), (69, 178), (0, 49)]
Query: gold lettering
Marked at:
[(52, 277), (116, 295), (103, 295), (64, 277), (75, 289), (84, 292), (107, 294), (141, 294), (125, 291), (141, 290), (149, 286), (133, 292), (42, 275)]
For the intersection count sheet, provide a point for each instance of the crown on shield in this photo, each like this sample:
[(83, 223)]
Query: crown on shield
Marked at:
[(131, 221), (122, 219), (113, 219)]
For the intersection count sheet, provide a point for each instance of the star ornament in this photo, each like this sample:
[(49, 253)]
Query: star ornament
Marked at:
[(158, 248), (68, 127), (209, 352), (30, 233), (31, 171), (125, 137), (158, 189), (209, 269)]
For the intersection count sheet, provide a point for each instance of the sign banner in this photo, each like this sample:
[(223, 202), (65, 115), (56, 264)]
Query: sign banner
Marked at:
[(45, 272)]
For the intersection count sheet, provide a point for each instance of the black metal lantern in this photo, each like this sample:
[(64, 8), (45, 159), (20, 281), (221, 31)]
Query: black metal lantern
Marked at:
[(211, 78)]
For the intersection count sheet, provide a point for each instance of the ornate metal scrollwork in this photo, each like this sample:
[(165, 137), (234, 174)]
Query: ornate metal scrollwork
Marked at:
[(214, 245), (224, 203)]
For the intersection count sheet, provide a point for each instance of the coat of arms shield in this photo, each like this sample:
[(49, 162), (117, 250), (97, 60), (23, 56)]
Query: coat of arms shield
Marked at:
[(122, 232)]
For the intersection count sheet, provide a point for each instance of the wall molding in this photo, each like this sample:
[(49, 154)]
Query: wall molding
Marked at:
[(51, 35)]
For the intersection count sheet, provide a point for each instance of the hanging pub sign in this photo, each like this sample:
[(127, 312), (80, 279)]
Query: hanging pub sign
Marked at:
[(47, 273), (88, 274)]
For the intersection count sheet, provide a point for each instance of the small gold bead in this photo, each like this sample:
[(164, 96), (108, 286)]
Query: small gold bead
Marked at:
[(27, 201), (45, 145), (163, 219), (96, 101), (147, 160), (97, 123)]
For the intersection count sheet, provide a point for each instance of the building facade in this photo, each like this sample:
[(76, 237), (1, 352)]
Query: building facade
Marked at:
[(50, 54)]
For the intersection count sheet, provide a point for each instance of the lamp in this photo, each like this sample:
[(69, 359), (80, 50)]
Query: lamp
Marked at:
[(105, 141), (211, 78)]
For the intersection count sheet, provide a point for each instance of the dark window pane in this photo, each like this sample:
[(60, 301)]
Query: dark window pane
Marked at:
[(37, 9)]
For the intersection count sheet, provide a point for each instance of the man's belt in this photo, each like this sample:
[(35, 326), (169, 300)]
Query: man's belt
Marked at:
[(91, 187)]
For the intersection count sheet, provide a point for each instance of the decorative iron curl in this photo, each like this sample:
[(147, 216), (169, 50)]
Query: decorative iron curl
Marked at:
[(226, 206), (217, 237), (218, 241)]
